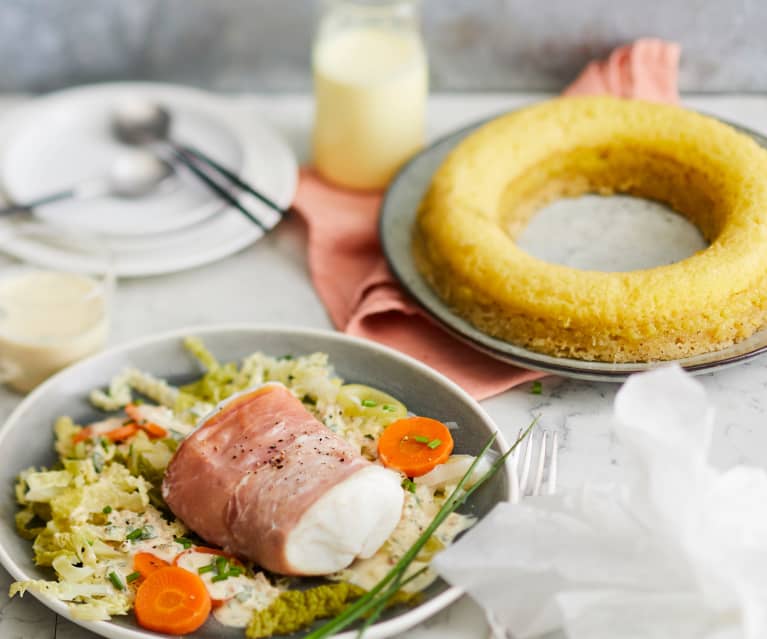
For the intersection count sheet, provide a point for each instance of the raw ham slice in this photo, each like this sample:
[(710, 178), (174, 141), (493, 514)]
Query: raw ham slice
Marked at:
[(264, 479)]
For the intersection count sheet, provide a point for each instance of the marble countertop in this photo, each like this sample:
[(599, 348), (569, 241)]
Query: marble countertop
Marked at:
[(268, 282)]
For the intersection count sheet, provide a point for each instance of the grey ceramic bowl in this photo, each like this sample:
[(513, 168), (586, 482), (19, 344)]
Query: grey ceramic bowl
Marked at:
[(26, 439)]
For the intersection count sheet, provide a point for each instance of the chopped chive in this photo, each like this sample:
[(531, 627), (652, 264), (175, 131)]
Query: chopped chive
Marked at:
[(309, 400), (145, 532), (98, 461), (184, 541), (133, 576), (106, 510), (409, 485), (389, 408), (134, 535), (219, 578), (536, 388), (89, 542), (221, 565), (434, 443), (421, 439), (234, 571), (105, 444), (137, 402), (369, 436), (284, 357), (369, 403), (204, 569), (116, 581)]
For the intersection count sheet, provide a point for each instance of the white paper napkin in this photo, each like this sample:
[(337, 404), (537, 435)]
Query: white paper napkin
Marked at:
[(676, 550)]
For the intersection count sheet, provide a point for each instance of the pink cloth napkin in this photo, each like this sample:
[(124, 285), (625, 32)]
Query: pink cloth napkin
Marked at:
[(646, 69), (350, 273)]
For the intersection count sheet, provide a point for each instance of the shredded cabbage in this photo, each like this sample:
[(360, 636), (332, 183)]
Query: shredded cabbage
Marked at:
[(309, 377), (88, 601), (449, 474), (120, 389), (65, 566), (70, 513), (65, 429)]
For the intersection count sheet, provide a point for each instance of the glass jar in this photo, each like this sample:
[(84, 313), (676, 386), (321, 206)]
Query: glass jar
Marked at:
[(370, 87), (51, 317)]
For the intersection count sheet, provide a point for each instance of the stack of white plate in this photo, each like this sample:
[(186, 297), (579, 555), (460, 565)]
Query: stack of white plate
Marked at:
[(54, 142)]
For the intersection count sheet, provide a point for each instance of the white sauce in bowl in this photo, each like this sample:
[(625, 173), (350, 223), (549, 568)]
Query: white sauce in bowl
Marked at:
[(48, 320)]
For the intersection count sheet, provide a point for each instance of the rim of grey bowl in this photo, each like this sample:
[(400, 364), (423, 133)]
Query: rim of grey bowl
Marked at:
[(379, 631)]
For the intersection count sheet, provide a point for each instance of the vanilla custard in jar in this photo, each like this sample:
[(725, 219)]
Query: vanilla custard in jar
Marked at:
[(370, 87)]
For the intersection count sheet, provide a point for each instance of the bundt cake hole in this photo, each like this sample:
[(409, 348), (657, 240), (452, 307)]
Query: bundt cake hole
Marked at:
[(610, 233), (631, 196)]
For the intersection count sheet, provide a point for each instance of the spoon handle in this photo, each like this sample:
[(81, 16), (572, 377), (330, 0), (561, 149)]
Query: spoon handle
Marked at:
[(232, 177), (46, 199), (214, 186)]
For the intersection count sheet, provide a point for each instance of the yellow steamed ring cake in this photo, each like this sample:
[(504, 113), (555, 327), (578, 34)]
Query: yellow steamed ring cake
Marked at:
[(495, 179)]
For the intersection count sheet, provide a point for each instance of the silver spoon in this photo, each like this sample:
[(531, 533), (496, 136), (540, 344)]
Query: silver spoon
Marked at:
[(133, 173), (139, 122)]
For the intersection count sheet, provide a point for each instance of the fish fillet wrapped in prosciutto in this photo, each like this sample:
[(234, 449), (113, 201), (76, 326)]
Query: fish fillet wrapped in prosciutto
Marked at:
[(264, 479)]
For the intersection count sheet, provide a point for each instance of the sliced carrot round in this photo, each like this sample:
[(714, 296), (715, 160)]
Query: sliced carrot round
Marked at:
[(172, 600), (150, 428), (86, 432), (118, 434), (415, 445), (145, 563), (121, 433), (155, 431)]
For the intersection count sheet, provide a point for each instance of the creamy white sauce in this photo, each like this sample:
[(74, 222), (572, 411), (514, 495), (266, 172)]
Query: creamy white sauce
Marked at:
[(162, 541), (47, 321), (254, 593), (370, 89), (249, 589)]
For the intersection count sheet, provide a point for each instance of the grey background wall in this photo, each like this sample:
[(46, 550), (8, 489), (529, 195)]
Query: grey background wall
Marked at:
[(265, 44)]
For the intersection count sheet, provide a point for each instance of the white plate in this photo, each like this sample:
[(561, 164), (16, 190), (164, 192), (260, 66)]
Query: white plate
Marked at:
[(423, 390), (65, 138), (162, 233)]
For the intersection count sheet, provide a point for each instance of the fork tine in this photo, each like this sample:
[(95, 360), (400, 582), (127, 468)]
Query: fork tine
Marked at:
[(526, 465), (551, 482), (540, 464), (515, 454), (514, 495)]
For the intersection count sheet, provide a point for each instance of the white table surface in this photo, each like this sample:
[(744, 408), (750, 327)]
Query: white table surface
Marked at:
[(268, 282)]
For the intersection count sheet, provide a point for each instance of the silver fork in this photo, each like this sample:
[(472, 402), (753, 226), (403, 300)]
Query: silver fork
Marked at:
[(534, 465), (533, 472)]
